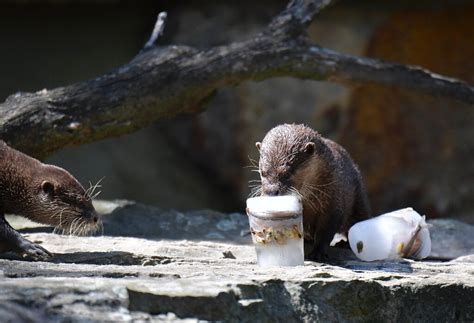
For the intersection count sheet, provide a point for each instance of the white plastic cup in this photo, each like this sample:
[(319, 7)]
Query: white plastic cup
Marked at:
[(276, 225)]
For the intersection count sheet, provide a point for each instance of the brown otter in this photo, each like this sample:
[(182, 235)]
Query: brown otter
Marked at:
[(297, 159), (42, 193)]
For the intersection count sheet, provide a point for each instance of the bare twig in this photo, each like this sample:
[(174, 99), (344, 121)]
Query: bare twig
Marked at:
[(157, 30), (298, 15)]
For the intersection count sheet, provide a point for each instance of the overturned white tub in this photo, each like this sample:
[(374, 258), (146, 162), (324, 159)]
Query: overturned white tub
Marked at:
[(398, 234)]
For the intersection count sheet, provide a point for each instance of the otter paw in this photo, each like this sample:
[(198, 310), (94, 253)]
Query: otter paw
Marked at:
[(30, 250)]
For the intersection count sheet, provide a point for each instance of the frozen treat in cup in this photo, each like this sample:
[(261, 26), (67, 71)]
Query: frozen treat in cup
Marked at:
[(276, 225)]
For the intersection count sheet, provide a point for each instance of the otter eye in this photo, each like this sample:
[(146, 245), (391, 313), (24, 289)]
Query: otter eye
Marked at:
[(309, 148), (47, 187), (263, 173)]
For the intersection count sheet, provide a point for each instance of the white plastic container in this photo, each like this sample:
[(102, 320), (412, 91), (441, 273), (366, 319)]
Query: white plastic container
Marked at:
[(398, 234), (276, 224)]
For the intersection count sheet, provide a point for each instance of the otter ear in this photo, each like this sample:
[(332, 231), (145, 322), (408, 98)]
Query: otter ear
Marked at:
[(309, 148), (47, 187), (258, 145)]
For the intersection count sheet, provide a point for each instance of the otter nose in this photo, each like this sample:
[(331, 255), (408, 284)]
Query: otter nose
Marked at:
[(272, 190), (92, 216)]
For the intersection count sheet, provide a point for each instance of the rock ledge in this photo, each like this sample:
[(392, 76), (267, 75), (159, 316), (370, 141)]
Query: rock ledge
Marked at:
[(163, 271)]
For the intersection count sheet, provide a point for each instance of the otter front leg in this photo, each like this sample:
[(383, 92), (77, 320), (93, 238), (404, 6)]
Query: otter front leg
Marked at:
[(324, 236), (11, 240), (320, 248)]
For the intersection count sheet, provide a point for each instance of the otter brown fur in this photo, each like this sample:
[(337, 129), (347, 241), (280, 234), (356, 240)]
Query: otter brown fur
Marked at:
[(297, 159), (42, 193)]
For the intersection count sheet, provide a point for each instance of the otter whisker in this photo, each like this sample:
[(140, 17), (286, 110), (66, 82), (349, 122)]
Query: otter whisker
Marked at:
[(82, 228), (325, 184), (54, 216), (252, 161), (256, 192), (307, 191), (59, 226), (313, 194), (294, 190), (252, 168), (90, 229), (254, 181), (87, 229), (320, 185), (91, 190), (311, 205), (72, 226), (95, 195), (307, 199), (69, 227), (318, 189), (66, 223), (78, 228), (87, 192), (75, 228), (254, 187), (312, 187)]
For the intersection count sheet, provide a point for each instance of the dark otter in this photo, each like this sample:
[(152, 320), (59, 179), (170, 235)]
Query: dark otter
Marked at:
[(42, 193), (296, 159)]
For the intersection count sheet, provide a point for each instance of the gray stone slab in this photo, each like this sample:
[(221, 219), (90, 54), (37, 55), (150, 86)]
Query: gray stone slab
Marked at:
[(155, 276)]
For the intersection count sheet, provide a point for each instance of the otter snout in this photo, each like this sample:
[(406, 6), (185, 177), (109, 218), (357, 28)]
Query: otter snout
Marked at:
[(273, 189), (90, 223), (91, 216)]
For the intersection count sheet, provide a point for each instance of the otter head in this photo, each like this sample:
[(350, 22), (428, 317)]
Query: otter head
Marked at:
[(58, 199), (288, 157)]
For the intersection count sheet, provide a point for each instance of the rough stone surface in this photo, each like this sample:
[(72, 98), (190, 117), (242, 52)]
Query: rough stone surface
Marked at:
[(451, 238), (157, 266)]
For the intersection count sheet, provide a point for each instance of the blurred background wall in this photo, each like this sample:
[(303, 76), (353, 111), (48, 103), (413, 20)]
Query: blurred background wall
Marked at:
[(413, 150)]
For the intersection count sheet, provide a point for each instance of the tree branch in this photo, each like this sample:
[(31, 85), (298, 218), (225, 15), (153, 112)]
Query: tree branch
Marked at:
[(167, 81), (297, 16)]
